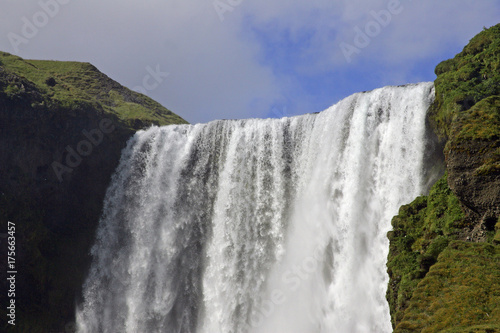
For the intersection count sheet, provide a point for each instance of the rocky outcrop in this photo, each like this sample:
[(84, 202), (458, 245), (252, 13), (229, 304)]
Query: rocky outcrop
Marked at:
[(466, 113), (473, 162)]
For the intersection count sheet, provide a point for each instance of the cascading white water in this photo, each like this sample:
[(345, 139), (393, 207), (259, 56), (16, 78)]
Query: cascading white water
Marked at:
[(275, 225)]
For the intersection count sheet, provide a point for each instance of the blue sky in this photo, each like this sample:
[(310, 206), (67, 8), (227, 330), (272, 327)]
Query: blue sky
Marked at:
[(230, 59)]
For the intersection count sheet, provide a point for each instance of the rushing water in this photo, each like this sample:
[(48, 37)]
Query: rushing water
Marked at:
[(275, 225)]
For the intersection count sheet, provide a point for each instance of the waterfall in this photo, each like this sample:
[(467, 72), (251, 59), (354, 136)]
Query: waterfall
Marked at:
[(259, 225)]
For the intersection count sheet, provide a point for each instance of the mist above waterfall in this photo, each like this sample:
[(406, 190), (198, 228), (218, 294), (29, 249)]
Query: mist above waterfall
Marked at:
[(274, 225)]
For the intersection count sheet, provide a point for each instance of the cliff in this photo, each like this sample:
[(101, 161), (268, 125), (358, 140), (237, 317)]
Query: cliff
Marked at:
[(444, 260), (62, 128)]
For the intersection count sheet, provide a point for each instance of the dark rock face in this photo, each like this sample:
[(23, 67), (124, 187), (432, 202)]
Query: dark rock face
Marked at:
[(55, 166), (57, 210), (478, 191), (473, 162), (55, 215), (32, 143)]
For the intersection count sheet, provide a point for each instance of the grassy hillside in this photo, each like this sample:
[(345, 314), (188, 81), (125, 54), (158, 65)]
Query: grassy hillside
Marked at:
[(461, 292), (73, 85)]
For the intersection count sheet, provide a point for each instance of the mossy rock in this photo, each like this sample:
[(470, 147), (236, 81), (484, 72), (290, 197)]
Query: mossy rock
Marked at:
[(421, 231), (471, 76), (496, 238), (440, 280)]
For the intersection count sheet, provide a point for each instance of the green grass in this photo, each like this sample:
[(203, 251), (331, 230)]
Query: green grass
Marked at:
[(496, 237), (77, 86), (480, 123), (468, 78), (461, 292), (438, 283), (421, 231)]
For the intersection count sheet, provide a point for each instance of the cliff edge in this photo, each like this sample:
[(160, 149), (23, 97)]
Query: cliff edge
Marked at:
[(62, 128), (444, 260)]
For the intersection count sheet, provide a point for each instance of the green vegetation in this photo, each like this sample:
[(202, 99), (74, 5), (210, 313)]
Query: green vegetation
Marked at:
[(496, 238), (77, 86), (470, 124), (461, 292), (473, 75), (421, 231), (480, 123), (438, 283)]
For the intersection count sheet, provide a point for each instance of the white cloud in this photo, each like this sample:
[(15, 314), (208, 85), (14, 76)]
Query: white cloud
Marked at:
[(421, 29), (220, 69)]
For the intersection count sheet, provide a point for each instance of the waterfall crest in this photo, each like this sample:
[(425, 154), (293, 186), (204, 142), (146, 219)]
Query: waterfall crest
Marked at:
[(274, 225)]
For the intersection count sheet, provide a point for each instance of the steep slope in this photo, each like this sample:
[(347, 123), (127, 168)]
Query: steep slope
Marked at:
[(439, 279), (62, 128)]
